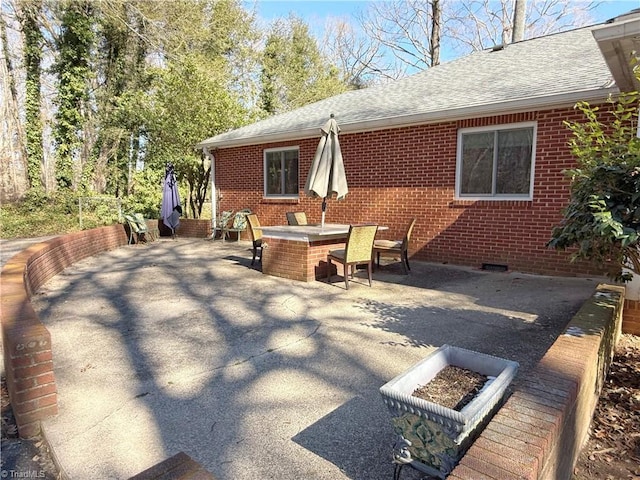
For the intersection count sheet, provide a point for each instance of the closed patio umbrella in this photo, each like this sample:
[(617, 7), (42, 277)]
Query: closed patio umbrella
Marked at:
[(327, 175), (171, 208)]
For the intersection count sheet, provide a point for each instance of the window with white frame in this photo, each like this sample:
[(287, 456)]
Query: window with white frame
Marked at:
[(496, 162), (281, 172)]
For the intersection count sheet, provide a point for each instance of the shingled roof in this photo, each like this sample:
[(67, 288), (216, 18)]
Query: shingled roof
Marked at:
[(554, 70)]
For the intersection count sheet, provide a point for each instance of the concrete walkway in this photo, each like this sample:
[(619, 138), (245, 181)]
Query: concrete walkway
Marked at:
[(8, 248), (180, 345)]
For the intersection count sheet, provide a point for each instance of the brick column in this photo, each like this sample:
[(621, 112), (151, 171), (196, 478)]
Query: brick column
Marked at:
[(631, 317)]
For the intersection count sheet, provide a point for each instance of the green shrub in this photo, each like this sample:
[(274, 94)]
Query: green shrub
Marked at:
[(25, 220), (39, 215), (146, 195)]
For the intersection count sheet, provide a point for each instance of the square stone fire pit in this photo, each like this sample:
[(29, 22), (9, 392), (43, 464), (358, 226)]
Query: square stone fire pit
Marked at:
[(433, 438)]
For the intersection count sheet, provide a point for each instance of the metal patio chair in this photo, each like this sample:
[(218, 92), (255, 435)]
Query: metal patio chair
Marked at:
[(222, 223), (239, 224), (138, 227)]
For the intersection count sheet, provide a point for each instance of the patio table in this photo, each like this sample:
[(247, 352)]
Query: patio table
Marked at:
[(299, 252)]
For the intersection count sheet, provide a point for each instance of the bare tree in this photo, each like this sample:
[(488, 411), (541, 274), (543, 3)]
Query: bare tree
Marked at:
[(519, 13), (12, 136), (357, 57), (411, 35), (436, 31), (479, 24), (405, 31)]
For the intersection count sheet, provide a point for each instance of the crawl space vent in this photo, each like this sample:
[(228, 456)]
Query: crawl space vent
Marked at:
[(495, 267)]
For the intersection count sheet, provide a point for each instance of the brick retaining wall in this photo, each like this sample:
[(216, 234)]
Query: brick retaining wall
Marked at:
[(28, 358), (188, 227), (539, 431), (631, 322)]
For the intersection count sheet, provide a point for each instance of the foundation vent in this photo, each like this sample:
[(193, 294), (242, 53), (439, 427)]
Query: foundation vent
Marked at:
[(495, 267)]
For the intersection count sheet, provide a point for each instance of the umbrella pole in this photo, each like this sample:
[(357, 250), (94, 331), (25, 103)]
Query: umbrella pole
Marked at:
[(324, 209)]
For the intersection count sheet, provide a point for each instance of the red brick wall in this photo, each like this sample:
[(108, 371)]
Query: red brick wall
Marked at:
[(631, 322), (296, 260), (397, 174), (28, 356), (539, 431), (189, 227)]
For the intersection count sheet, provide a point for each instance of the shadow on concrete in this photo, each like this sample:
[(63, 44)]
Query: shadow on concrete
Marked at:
[(180, 346)]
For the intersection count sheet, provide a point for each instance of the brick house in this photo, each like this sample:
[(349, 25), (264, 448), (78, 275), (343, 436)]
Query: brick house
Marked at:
[(474, 148)]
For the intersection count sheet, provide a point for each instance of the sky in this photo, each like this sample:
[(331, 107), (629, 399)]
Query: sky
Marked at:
[(316, 11)]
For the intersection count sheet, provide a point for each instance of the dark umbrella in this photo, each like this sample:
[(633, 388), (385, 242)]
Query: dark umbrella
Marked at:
[(171, 209), (327, 169)]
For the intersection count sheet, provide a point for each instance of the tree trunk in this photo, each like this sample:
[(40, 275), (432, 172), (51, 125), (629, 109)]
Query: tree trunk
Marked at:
[(519, 14), (33, 43), (436, 20), (13, 160)]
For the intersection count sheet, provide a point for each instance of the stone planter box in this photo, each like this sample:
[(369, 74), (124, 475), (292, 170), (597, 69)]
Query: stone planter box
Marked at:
[(433, 438)]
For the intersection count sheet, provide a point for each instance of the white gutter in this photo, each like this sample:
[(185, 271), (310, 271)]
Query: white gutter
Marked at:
[(619, 28), (473, 111)]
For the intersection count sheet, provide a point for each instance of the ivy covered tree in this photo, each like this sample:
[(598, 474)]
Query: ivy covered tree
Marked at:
[(73, 68), (602, 221), (33, 45)]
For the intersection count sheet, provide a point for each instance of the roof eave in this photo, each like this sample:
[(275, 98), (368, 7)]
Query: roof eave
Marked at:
[(473, 111), (618, 41)]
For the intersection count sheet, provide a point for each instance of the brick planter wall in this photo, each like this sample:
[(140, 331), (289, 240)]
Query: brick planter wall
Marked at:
[(188, 227), (539, 431), (631, 321)]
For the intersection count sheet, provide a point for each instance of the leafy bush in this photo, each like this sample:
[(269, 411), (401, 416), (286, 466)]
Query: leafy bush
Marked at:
[(41, 215), (146, 194), (98, 211), (602, 220), (24, 220)]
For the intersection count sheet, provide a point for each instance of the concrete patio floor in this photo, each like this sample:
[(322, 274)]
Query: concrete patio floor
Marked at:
[(180, 345)]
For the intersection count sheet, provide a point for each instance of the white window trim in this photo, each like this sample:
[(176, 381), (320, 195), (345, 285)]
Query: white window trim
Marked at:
[(493, 128), (264, 173)]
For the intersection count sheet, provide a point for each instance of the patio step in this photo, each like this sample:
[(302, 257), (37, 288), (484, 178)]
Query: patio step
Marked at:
[(179, 467)]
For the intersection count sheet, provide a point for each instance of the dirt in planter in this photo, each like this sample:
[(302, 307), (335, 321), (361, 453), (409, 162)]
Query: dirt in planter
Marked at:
[(453, 387)]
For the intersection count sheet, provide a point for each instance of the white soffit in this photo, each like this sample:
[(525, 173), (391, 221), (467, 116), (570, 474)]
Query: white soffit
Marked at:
[(619, 42)]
